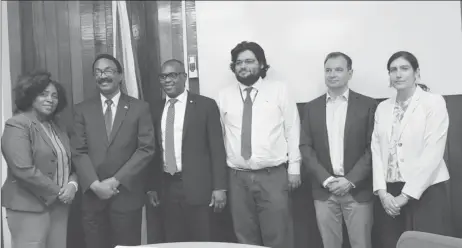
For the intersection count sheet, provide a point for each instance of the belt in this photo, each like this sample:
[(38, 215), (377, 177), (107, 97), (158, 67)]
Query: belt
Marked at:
[(176, 176), (267, 169)]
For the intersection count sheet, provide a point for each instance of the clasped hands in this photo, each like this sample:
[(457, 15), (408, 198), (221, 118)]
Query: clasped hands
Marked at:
[(67, 193), (105, 189), (339, 186), (391, 204)]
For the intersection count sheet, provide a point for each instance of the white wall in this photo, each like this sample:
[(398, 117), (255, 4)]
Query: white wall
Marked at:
[(298, 35), (5, 102)]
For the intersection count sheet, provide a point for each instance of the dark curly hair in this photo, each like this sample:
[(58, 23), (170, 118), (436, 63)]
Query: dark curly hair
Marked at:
[(30, 85), (253, 47)]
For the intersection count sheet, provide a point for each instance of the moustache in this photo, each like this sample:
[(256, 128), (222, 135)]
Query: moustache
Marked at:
[(103, 80)]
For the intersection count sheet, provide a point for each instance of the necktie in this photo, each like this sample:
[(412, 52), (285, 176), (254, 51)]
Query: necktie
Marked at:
[(170, 158), (246, 132), (108, 117)]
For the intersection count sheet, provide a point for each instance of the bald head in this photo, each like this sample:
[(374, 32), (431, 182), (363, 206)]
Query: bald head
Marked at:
[(177, 65)]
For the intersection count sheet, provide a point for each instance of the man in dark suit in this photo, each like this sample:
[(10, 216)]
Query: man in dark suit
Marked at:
[(193, 161), (335, 146), (113, 142)]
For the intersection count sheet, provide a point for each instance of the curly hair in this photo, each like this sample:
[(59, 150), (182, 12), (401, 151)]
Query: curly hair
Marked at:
[(253, 47), (30, 85)]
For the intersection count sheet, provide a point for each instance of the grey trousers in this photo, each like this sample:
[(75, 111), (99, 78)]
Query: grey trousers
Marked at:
[(39, 230), (260, 207), (358, 219)]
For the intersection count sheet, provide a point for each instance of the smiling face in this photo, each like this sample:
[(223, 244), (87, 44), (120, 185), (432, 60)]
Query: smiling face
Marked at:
[(107, 77), (172, 79), (402, 75), (46, 102)]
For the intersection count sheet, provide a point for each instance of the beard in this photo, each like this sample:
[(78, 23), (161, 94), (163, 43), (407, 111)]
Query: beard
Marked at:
[(249, 80)]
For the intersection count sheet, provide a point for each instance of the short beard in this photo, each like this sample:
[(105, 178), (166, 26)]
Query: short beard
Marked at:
[(248, 81)]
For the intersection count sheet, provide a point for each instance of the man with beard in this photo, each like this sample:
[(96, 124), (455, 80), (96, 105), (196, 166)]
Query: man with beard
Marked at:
[(262, 130), (112, 144), (193, 159)]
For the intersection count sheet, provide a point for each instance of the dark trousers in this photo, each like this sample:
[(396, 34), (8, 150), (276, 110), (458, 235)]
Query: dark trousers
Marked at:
[(260, 207), (154, 224), (428, 214), (107, 228), (183, 222)]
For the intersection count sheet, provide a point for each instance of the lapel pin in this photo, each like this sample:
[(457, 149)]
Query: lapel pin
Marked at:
[(126, 107)]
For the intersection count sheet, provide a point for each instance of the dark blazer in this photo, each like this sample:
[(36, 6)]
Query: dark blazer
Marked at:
[(203, 151), (32, 163), (314, 145), (124, 155)]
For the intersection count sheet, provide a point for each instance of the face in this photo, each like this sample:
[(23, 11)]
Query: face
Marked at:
[(402, 75), (172, 79), (46, 102), (336, 72), (247, 68), (107, 77)]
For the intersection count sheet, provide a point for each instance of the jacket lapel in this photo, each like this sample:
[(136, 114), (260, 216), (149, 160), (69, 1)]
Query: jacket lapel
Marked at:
[(189, 112), (322, 119), (98, 115), (122, 108), (410, 110), (39, 128), (350, 115), (159, 127)]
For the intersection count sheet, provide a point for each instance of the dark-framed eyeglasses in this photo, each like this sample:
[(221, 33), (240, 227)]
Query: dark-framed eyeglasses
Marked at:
[(171, 75), (107, 72)]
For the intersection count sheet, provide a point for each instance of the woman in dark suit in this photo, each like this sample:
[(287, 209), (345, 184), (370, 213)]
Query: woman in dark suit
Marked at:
[(408, 142), (40, 183)]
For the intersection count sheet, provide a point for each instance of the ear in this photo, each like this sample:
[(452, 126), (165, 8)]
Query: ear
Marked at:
[(350, 73), (417, 75)]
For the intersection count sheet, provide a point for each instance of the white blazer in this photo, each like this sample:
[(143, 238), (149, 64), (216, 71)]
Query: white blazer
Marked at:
[(421, 145)]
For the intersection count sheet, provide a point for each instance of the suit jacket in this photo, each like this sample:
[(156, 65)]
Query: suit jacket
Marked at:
[(203, 151), (423, 134), (124, 155), (32, 163), (314, 145)]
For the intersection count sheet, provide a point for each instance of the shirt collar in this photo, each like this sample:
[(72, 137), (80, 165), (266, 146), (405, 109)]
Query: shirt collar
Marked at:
[(257, 85), (345, 96), (115, 99), (181, 97)]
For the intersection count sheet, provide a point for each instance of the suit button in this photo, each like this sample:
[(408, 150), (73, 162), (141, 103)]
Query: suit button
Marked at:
[(400, 144)]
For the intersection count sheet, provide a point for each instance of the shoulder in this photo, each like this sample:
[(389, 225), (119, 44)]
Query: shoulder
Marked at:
[(432, 100), (136, 103), (316, 102), (227, 90), (20, 119), (88, 103), (200, 99), (365, 100)]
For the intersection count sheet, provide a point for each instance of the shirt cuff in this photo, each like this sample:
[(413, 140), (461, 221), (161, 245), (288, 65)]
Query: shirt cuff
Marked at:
[(76, 185), (294, 168), (327, 181)]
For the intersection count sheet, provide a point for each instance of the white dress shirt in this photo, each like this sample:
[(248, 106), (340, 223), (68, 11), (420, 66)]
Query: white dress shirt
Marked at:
[(275, 126), (336, 112), (115, 102), (180, 110)]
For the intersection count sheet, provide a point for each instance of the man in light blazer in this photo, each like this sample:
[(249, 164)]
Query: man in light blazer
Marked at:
[(113, 142), (192, 159), (335, 147)]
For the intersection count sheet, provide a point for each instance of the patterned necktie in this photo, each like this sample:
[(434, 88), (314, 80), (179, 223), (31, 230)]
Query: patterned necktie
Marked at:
[(170, 158), (108, 117), (246, 132)]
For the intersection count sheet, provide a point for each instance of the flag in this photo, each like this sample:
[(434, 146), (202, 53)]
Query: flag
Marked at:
[(124, 50)]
